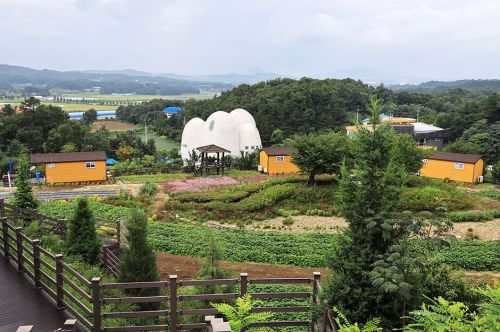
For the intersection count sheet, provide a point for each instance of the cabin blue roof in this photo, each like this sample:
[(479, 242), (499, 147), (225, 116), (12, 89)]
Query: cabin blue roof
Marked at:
[(381, 117), (172, 109), (110, 162)]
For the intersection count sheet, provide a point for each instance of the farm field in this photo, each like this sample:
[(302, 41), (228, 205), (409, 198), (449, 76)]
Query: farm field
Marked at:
[(113, 125), (68, 107)]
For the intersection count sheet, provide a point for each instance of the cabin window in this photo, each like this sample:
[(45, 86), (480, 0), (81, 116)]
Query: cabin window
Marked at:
[(51, 165), (253, 147), (246, 147), (459, 165), (280, 159), (90, 164), (425, 161)]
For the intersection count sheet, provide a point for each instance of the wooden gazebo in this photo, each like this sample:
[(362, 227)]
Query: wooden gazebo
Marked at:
[(206, 165)]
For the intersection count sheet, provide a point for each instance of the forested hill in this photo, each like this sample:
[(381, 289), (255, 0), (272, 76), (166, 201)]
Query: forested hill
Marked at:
[(439, 86), (15, 78), (311, 105)]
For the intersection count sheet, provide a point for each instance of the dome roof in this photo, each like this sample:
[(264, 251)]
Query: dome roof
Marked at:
[(221, 130), (192, 136), (242, 116), (249, 136)]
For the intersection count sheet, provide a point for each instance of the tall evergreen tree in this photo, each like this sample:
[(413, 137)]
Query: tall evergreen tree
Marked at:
[(138, 261), (82, 237), (376, 269), (23, 197)]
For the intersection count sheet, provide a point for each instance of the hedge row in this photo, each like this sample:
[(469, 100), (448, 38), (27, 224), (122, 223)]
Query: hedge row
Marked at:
[(475, 216)]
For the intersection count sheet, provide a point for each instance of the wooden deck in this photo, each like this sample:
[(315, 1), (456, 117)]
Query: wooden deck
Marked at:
[(22, 304)]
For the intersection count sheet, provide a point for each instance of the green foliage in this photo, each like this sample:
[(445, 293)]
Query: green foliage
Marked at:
[(82, 239), (473, 255), (495, 172), (320, 153), (240, 316), (64, 210), (277, 136), (288, 221), (429, 198), (450, 316), (245, 246), (23, 196), (53, 243), (494, 194), (138, 262), (148, 189), (407, 154), (152, 177), (32, 229), (89, 117), (343, 324), (463, 216)]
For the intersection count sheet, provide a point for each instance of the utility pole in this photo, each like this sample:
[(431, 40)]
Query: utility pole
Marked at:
[(418, 113), (357, 114), (146, 130)]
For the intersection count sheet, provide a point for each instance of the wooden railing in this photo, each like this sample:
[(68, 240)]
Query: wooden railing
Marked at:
[(96, 305)]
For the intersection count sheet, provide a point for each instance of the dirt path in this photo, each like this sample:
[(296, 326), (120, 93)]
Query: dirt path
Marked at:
[(187, 267), (488, 230)]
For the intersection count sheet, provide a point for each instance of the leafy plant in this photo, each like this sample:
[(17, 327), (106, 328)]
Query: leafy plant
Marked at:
[(240, 316), (148, 189), (82, 237), (23, 196), (343, 324)]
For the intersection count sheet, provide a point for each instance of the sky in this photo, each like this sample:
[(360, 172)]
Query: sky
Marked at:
[(396, 40)]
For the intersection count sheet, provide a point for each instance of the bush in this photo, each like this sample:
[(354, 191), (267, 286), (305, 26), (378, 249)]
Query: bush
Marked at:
[(319, 212), (430, 198), (288, 221), (494, 194), (52, 243), (473, 216), (82, 237), (148, 189)]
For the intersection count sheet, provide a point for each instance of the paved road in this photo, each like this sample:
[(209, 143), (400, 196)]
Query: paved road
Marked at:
[(55, 195), (22, 304)]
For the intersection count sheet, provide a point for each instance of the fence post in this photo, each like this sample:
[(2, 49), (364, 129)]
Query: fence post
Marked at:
[(36, 262), (5, 234), (96, 303), (243, 283), (69, 325), (19, 244), (173, 303), (315, 281), (2, 207), (105, 257), (59, 281), (118, 232)]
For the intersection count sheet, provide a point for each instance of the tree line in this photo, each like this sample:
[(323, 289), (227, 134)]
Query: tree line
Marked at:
[(310, 105)]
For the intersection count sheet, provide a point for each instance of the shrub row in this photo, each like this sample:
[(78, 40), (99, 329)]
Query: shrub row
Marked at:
[(463, 216), (305, 250), (494, 194), (431, 198)]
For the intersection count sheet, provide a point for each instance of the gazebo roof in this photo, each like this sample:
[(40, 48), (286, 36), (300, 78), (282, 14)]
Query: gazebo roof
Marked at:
[(212, 148)]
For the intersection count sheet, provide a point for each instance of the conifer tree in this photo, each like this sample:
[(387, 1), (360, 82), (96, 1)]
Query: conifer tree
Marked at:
[(138, 262), (377, 271), (23, 197), (82, 238)]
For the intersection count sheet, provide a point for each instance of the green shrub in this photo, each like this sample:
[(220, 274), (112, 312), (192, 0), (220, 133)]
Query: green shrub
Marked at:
[(288, 221), (463, 216), (52, 243), (473, 255), (494, 194), (148, 189), (430, 198), (32, 229), (267, 197), (319, 212)]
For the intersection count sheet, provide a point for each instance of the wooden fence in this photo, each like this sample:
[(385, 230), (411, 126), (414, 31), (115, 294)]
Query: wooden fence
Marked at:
[(96, 305)]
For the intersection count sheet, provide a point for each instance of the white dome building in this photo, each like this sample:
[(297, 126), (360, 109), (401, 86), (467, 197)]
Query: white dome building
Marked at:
[(235, 131)]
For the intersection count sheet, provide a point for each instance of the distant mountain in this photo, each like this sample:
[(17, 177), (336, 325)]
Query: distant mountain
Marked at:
[(124, 81), (439, 86), (128, 72), (231, 78)]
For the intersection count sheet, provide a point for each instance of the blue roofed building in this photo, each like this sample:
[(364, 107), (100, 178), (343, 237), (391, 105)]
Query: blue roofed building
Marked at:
[(171, 110)]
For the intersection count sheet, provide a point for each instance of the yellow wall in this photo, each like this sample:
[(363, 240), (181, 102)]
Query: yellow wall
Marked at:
[(75, 172), (442, 169), (275, 167)]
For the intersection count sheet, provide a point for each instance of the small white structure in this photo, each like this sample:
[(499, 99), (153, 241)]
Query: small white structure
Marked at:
[(235, 131)]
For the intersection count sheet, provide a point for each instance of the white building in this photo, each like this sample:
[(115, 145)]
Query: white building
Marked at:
[(235, 131)]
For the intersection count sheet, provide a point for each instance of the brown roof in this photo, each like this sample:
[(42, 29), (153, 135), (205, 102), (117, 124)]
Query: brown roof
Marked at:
[(457, 157), (40, 158), (279, 150), (212, 148)]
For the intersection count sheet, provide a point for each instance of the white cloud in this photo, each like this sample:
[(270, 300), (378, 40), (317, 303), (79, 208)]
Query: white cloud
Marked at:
[(431, 39)]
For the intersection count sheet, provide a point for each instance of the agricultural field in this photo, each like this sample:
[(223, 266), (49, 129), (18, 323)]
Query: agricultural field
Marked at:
[(113, 125)]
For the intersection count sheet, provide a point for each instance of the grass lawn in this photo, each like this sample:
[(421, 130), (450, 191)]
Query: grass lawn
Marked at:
[(152, 177)]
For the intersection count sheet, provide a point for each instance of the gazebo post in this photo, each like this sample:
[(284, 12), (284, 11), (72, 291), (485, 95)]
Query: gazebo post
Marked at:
[(223, 163), (218, 161)]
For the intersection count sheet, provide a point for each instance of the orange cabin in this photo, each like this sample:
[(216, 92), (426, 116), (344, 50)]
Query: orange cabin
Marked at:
[(277, 160), (453, 166), (73, 166)]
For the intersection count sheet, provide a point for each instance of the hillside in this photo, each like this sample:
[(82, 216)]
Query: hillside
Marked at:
[(441, 86), (16, 79)]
